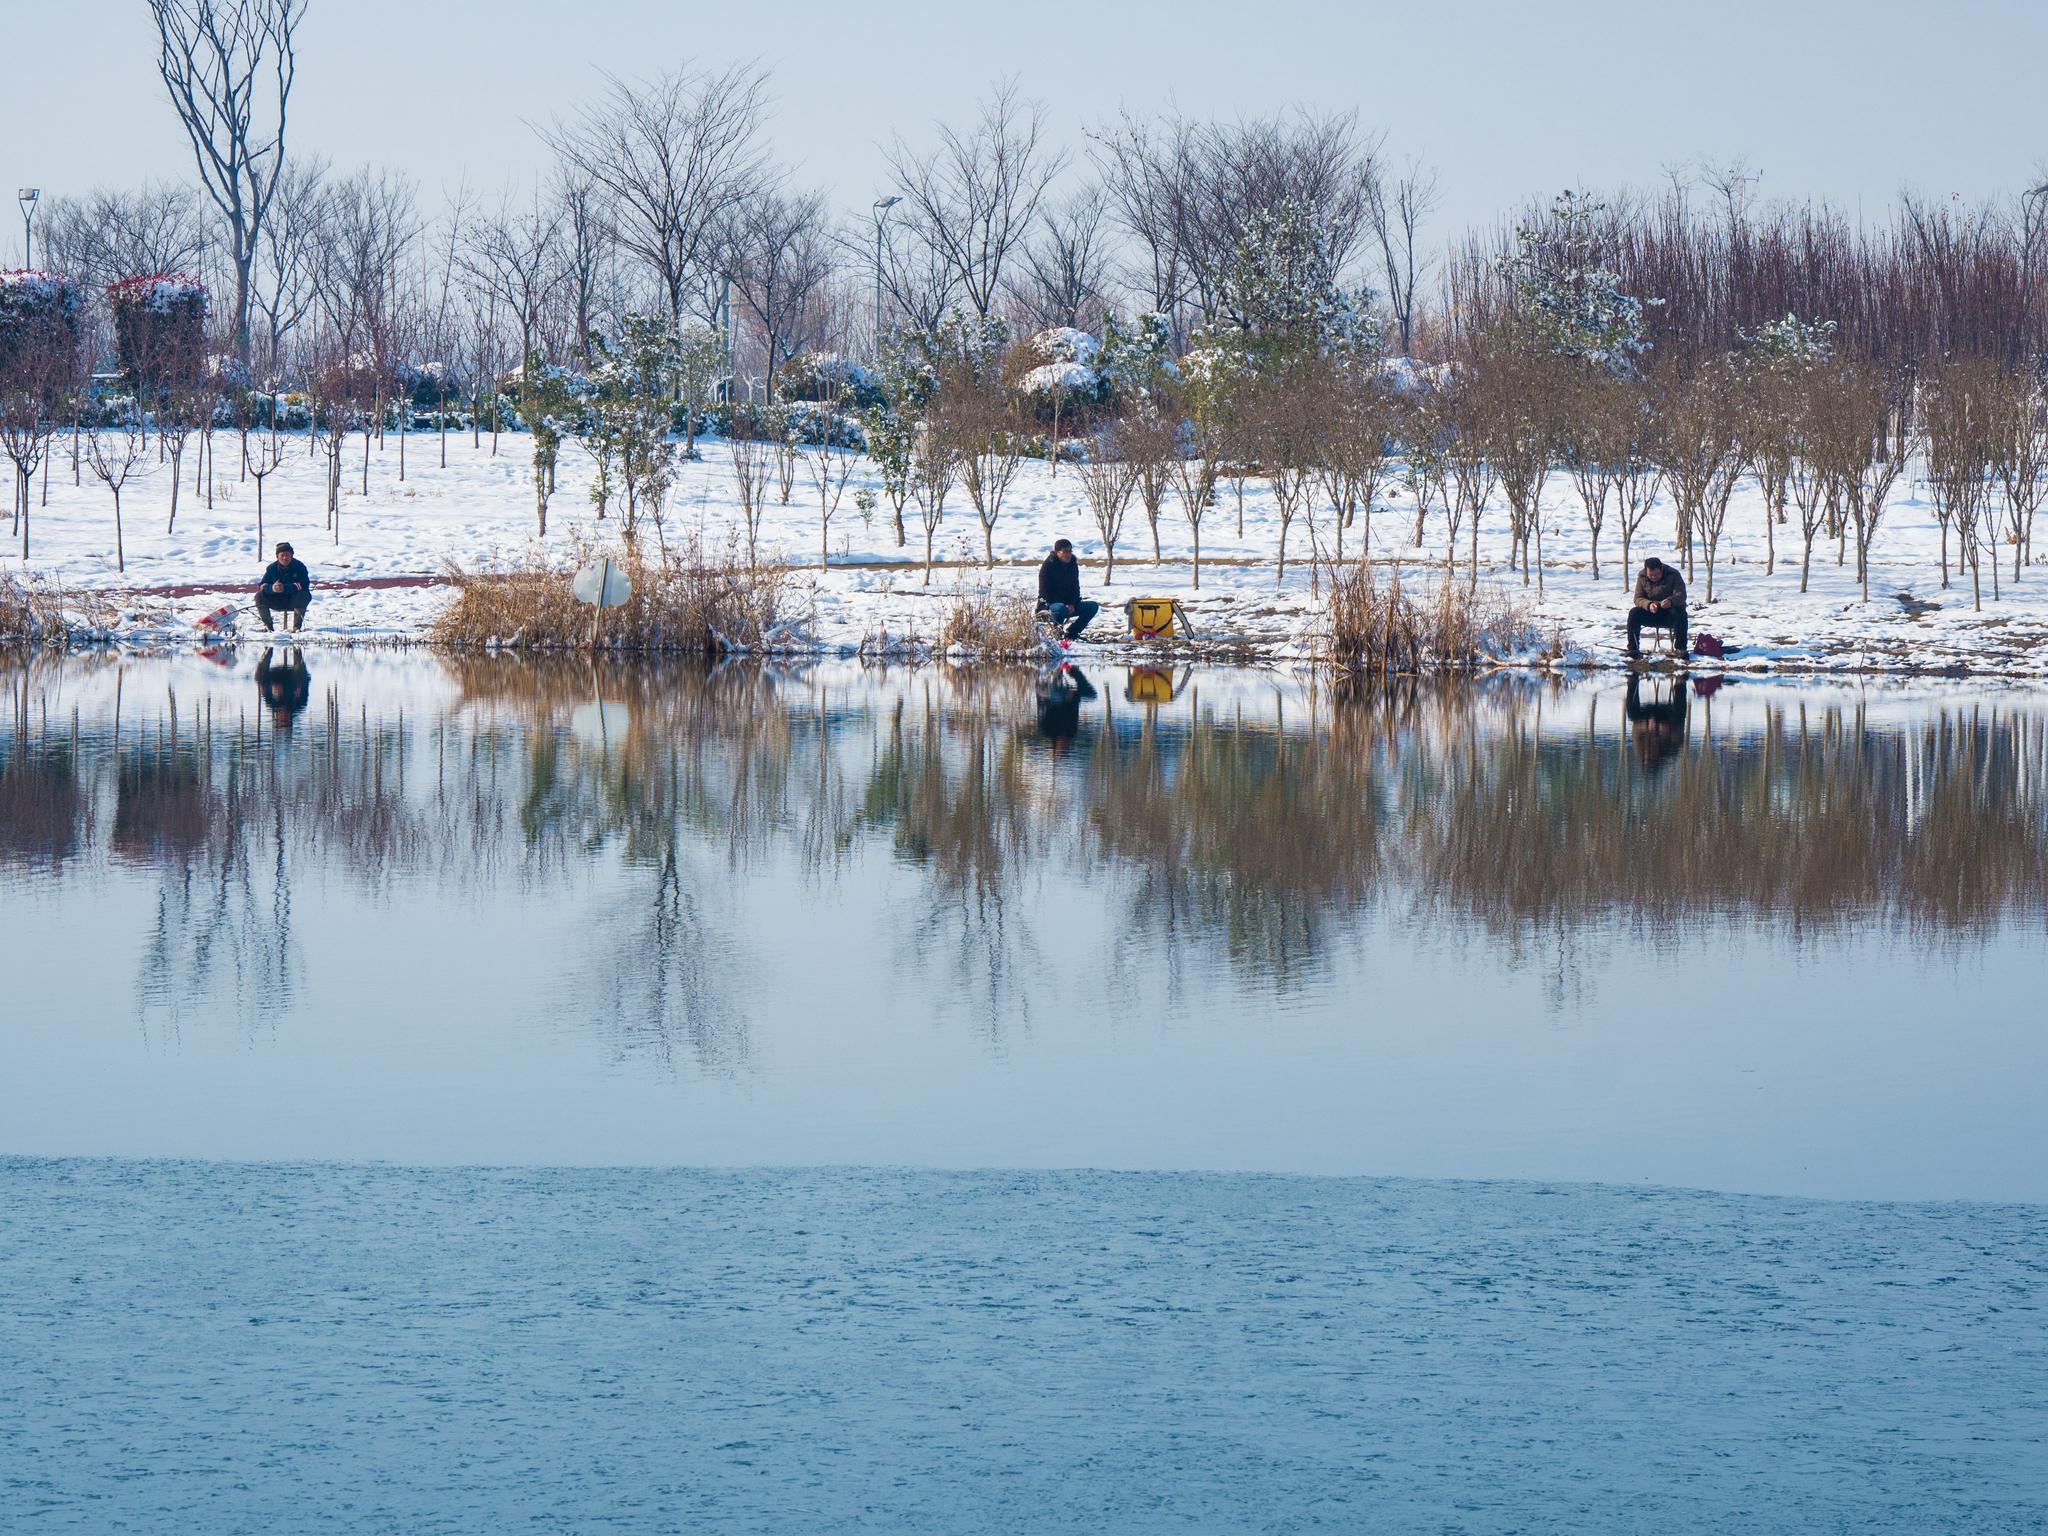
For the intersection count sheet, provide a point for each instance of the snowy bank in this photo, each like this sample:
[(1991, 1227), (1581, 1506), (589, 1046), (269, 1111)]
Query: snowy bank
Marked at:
[(375, 575)]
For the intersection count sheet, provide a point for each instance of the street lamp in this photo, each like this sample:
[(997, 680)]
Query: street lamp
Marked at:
[(882, 207), (27, 197)]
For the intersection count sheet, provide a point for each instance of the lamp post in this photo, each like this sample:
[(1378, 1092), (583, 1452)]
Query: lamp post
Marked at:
[(882, 207), (27, 197)]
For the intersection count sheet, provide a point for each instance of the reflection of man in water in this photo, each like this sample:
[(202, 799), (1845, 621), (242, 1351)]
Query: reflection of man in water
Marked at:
[(285, 688), (1059, 704), (1659, 729)]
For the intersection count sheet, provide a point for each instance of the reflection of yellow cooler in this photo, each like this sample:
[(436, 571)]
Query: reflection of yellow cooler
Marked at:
[(1154, 618), (1149, 685)]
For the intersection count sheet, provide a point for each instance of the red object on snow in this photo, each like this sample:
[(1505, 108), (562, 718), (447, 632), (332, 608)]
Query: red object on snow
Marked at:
[(1706, 645), (219, 619)]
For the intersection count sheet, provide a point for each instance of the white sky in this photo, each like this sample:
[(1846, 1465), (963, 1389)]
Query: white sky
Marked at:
[(1848, 101)]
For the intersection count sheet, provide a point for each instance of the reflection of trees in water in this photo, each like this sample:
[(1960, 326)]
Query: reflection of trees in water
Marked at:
[(688, 778), (1815, 823), (951, 788), (44, 811), (1209, 834)]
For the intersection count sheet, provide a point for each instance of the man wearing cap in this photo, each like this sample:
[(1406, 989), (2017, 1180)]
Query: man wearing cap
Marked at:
[(1659, 603), (286, 587), (1059, 591)]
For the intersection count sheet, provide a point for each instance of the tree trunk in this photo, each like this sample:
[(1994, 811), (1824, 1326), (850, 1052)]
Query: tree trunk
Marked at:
[(177, 474)]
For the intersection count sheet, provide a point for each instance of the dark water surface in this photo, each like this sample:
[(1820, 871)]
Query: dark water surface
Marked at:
[(1786, 940)]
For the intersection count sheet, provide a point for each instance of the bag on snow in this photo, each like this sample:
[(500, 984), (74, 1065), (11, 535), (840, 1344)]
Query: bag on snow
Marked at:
[(1706, 645)]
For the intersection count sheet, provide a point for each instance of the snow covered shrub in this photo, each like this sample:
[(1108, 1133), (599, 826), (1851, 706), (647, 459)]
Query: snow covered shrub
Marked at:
[(38, 312), (808, 425), (288, 412), (1136, 359), (827, 376), (1567, 297), (159, 328), (1054, 374)]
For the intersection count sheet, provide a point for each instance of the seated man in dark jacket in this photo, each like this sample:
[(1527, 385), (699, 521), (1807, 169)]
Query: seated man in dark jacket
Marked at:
[(1059, 591), (1659, 603), (286, 587)]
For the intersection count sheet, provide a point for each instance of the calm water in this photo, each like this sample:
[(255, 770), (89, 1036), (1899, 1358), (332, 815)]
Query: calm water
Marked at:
[(469, 1098), (1783, 941)]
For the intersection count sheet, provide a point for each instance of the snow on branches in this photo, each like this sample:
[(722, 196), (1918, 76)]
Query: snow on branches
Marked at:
[(38, 315), (1574, 304), (159, 327)]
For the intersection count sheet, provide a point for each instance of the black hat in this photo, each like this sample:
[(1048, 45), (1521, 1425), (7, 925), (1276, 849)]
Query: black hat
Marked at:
[(1060, 544)]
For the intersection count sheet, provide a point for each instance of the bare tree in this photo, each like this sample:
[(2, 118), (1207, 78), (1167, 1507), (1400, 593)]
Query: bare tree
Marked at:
[(917, 281), (829, 467), (2020, 456), (1320, 164), (515, 256), (778, 253), (934, 464), (1395, 213), (973, 201), (1107, 479), (40, 365), (672, 156), (116, 454), (105, 236), (285, 286), (261, 462), (1958, 419), (1146, 173), (586, 254), (1064, 265), (981, 417), (229, 67), (750, 462)]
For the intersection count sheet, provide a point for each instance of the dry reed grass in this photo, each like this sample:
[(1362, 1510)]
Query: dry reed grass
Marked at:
[(1370, 626), (32, 614), (990, 625), (683, 603)]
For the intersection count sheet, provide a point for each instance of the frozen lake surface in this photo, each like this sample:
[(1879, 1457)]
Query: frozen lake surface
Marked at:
[(1536, 1107), (260, 1349)]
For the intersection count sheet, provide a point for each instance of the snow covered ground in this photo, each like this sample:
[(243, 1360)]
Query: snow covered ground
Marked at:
[(480, 506), (264, 1348)]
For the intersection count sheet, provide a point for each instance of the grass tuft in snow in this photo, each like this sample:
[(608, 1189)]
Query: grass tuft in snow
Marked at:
[(684, 603), (32, 614), (987, 624), (1374, 626)]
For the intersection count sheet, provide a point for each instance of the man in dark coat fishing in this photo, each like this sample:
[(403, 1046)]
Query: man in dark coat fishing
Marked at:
[(1659, 603), (286, 587), (1059, 591)]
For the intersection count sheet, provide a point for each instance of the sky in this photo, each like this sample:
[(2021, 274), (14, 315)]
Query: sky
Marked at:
[(1844, 101)]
